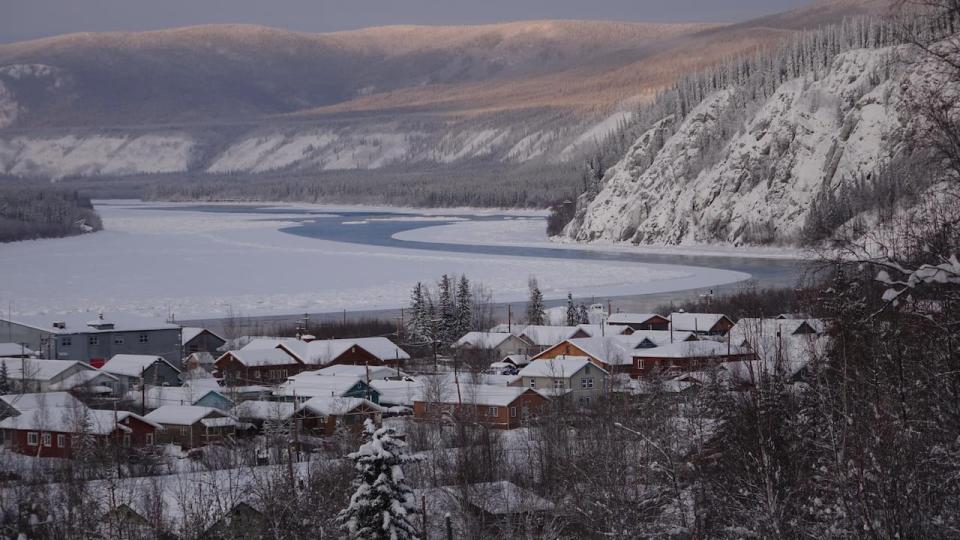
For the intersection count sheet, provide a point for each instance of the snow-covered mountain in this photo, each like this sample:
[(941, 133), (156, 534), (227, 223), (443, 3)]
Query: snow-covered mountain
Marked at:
[(744, 171)]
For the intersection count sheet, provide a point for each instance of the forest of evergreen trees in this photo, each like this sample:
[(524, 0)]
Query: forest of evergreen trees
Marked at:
[(30, 212)]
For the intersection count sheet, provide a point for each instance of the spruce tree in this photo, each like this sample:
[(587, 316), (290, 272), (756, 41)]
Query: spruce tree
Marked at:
[(418, 324), (4, 379), (464, 307), (448, 310), (583, 315), (535, 310), (382, 507), (573, 318)]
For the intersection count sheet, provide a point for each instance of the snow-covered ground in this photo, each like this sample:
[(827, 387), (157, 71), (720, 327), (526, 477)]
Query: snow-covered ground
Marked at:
[(528, 231), (198, 264)]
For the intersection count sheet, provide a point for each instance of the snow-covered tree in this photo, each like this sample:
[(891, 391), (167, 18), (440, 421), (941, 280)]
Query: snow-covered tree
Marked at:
[(573, 318), (535, 309), (464, 307), (4, 379), (448, 309), (382, 507), (418, 324), (583, 315)]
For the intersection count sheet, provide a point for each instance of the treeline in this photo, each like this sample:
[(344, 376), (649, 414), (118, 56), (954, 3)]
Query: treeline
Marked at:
[(30, 212)]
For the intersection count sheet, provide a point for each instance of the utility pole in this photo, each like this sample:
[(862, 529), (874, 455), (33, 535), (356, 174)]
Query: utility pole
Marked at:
[(509, 318)]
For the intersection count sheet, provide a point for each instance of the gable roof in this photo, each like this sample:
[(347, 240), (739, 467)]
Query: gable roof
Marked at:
[(696, 322), (259, 343), (158, 396), (133, 365), (34, 369), (483, 340), (548, 336), (181, 415), (482, 394), (92, 322), (99, 422), (326, 406), (351, 370), (749, 328), (602, 330), (261, 357), (398, 392), (560, 367), (322, 352), (13, 350), (41, 400), (309, 384), (611, 350), (189, 333), (633, 318), (264, 410), (693, 349)]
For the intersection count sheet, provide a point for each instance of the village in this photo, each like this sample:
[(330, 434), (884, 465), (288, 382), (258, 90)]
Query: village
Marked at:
[(160, 401)]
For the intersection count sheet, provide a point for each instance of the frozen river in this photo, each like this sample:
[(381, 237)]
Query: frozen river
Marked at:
[(206, 260)]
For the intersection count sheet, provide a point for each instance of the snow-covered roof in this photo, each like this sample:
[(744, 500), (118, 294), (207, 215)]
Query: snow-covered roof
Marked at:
[(188, 333), (664, 337), (310, 385), (611, 350), (514, 329), (83, 378), (91, 322), (501, 498), (398, 392), (257, 343), (517, 359), (322, 352), (264, 410), (561, 367), (40, 370), (748, 329), (14, 350), (133, 365), (220, 421), (327, 406), (181, 415), (483, 340), (600, 330), (632, 318), (693, 349), (158, 396), (350, 370), (695, 322), (42, 400), (547, 336), (479, 394), (262, 357), (99, 422)]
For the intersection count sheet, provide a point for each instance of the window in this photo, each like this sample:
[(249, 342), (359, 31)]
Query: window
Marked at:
[(61, 440), (194, 347), (126, 440), (66, 342), (558, 384), (48, 440), (32, 438), (493, 411), (585, 401), (533, 383), (586, 382), (118, 340), (513, 412), (143, 338), (149, 438), (94, 340)]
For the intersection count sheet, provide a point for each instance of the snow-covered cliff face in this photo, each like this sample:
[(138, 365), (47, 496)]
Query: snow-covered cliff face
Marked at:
[(757, 184)]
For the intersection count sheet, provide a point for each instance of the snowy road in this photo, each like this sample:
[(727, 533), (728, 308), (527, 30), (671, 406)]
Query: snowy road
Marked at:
[(202, 262)]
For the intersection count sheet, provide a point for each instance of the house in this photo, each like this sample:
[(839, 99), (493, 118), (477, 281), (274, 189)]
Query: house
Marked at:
[(397, 393), (16, 350), (686, 356), (371, 373), (191, 426), (787, 346), (493, 345), (576, 376), (517, 360), (602, 330), (36, 375), (93, 338), (154, 397), (485, 510), (704, 324), (372, 351), (58, 432), (322, 415), (16, 404), (257, 366), (308, 384), (256, 412), (542, 337), (195, 340), (137, 370), (245, 520), (613, 353), (639, 321), (503, 407), (199, 360)]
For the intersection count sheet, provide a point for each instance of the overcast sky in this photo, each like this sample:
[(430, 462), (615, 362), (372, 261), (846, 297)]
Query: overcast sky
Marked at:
[(27, 19)]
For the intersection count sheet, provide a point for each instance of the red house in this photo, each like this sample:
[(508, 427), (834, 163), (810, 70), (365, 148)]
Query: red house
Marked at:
[(257, 366), (59, 432)]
